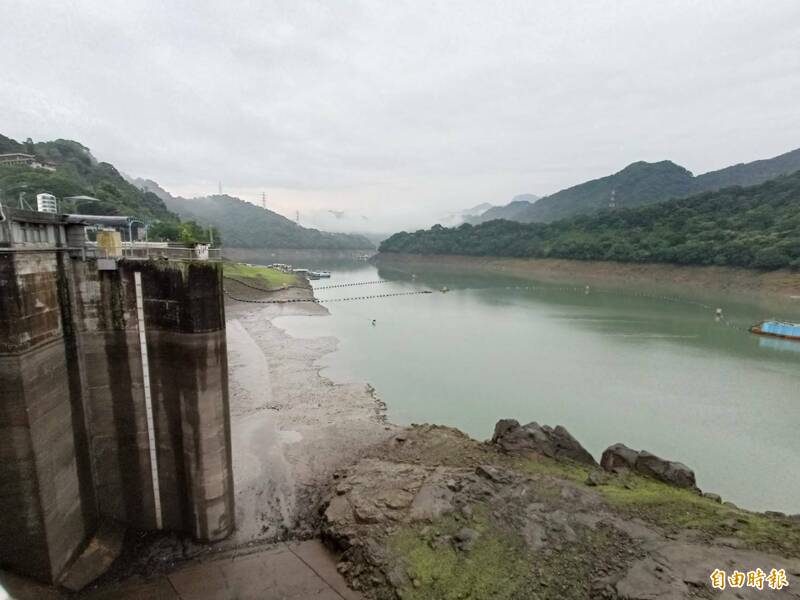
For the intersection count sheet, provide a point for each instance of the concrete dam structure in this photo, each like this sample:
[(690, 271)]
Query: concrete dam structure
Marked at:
[(113, 395)]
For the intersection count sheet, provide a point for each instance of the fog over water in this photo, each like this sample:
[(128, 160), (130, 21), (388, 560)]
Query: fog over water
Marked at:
[(397, 114)]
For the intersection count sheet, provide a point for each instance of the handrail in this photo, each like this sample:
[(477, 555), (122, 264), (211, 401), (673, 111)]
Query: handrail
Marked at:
[(44, 249), (215, 254)]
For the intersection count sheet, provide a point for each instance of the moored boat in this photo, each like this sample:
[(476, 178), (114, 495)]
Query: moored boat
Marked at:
[(779, 329)]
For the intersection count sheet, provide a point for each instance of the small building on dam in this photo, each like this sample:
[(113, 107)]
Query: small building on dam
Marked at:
[(113, 394)]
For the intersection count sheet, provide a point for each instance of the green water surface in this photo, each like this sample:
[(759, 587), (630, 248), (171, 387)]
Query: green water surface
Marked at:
[(652, 369)]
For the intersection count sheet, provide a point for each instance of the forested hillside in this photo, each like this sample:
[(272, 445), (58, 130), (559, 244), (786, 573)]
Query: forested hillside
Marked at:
[(642, 184), (756, 227), (753, 173), (638, 184), (245, 225), (77, 173)]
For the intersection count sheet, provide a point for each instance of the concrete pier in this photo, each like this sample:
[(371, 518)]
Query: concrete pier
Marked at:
[(74, 443)]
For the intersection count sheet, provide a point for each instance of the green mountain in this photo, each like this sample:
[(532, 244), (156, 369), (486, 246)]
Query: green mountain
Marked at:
[(245, 225), (77, 173), (642, 184), (745, 174), (73, 171), (755, 227), (518, 206)]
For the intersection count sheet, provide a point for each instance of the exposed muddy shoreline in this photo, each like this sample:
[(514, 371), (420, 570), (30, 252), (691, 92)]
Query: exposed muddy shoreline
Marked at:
[(781, 286), (291, 427)]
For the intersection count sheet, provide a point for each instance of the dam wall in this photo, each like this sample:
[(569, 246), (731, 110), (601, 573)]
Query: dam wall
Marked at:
[(113, 402), (45, 517)]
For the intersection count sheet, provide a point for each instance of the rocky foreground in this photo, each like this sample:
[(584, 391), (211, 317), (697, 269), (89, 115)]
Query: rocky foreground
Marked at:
[(433, 514)]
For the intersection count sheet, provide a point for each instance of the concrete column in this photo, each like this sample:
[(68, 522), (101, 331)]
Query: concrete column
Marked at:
[(43, 523), (189, 384), (114, 395), (74, 444)]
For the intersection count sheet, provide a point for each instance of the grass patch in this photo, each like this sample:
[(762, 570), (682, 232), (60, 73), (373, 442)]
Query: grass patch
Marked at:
[(497, 566), (541, 465), (675, 508), (566, 572), (263, 276)]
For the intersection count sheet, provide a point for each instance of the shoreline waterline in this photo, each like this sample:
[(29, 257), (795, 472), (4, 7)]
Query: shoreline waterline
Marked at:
[(293, 428), (780, 287), (707, 379)]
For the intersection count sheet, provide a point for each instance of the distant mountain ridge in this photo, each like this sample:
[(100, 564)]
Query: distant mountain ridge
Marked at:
[(100, 189), (754, 227), (518, 206), (477, 209), (641, 184), (245, 225), (747, 174)]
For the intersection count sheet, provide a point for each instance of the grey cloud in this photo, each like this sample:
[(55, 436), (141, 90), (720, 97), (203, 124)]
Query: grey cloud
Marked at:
[(402, 110)]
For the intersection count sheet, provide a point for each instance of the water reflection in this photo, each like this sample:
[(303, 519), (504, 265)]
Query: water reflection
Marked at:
[(637, 313), (779, 344)]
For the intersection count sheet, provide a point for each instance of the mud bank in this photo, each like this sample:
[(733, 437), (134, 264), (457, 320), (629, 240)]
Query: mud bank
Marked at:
[(782, 285), (291, 427)]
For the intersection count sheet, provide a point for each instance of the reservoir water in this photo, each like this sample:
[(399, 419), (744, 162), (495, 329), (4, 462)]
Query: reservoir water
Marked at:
[(647, 369)]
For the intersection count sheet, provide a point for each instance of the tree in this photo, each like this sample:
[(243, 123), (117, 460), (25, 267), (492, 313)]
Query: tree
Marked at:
[(163, 232), (771, 258), (756, 227)]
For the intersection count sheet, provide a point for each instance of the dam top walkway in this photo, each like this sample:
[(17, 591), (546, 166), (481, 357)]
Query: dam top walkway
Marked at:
[(284, 571)]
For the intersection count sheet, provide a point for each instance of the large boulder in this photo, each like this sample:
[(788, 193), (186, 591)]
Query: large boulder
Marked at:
[(619, 457), (556, 442), (671, 472)]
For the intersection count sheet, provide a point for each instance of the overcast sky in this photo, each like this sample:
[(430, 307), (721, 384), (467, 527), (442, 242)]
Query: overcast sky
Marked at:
[(395, 112)]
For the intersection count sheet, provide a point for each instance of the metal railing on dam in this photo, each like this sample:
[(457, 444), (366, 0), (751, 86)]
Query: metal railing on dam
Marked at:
[(136, 252)]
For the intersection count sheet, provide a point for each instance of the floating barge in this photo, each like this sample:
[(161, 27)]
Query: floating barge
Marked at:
[(778, 329)]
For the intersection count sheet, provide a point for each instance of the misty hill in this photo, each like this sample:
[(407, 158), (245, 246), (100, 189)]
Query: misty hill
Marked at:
[(642, 184), (476, 210), (77, 173), (756, 227), (465, 215), (516, 208), (245, 225)]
